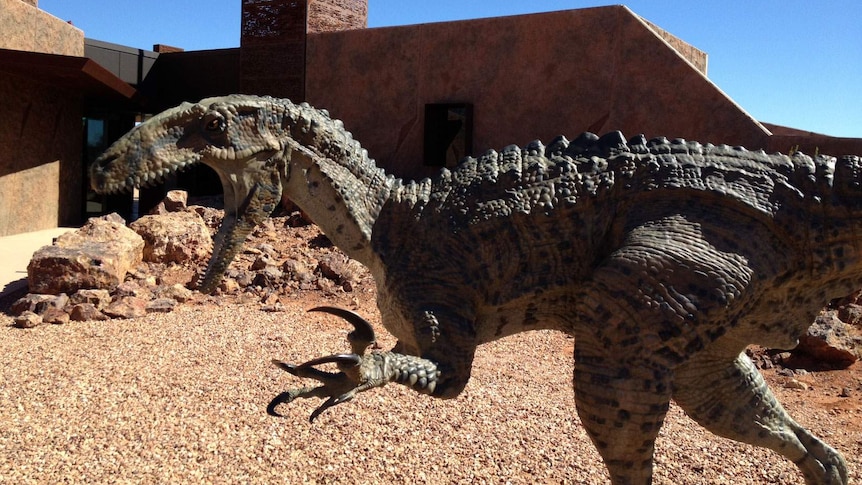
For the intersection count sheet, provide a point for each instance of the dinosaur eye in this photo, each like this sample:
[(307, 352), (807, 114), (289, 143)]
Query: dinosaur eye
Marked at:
[(214, 123)]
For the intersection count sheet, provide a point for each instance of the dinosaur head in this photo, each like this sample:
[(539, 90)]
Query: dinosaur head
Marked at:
[(233, 136), (225, 133)]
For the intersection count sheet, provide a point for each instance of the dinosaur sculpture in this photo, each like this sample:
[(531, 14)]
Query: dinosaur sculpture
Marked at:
[(664, 259)]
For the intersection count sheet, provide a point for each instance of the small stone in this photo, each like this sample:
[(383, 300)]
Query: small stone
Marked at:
[(133, 288), (229, 285), (161, 305), (846, 392), (38, 303), (176, 292), (176, 274), (28, 319), (99, 298), (273, 308), (175, 200), (796, 384), (127, 307), (262, 262), (83, 312), (245, 278), (268, 277), (55, 316)]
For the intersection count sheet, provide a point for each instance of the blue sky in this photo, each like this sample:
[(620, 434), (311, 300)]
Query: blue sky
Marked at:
[(791, 62)]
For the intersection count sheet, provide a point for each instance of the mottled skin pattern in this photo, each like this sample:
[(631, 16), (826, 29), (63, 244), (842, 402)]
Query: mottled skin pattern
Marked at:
[(664, 259)]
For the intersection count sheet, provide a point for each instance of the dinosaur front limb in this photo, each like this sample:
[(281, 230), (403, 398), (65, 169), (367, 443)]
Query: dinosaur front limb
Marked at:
[(357, 373)]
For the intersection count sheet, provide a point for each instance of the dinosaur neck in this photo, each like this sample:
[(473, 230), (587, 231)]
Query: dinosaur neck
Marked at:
[(334, 181)]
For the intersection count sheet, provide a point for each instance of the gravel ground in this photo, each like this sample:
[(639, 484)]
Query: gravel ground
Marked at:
[(181, 398)]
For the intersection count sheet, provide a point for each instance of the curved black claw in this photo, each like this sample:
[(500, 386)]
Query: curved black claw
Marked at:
[(332, 401), (336, 387), (362, 336), (284, 397), (348, 360), (287, 397)]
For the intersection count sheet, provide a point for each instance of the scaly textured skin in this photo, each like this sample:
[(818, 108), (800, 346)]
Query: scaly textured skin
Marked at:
[(664, 259)]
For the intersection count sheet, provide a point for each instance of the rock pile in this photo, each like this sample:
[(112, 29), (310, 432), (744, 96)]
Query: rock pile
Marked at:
[(109, 270)]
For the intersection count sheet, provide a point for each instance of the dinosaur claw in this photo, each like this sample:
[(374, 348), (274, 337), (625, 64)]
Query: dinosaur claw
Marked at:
[(350, 359), (284, 365), (362, 336), (284, 397), (332, 401), (323, 407), (337, 387)]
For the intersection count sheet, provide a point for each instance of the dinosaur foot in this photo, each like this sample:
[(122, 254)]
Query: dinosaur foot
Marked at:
[(336, 387), (821, 464), (358, 370)]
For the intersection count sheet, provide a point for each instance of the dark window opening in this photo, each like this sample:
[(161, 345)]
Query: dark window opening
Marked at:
[(448, 133)]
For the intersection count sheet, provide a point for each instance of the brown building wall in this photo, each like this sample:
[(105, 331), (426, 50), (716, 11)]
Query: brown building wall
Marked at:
[(692, 54), (41, 175), (528, 77), (26, 28)]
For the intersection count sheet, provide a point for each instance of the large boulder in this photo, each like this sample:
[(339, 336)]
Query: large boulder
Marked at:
[(96, 256), (174, 237), (832, 339), (831, 342)]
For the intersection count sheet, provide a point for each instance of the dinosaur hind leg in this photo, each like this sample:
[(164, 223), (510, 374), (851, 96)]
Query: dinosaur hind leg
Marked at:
[(732, 400), (622, 405)]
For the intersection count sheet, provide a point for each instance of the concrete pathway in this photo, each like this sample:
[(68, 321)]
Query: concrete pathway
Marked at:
[(15, 254)]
